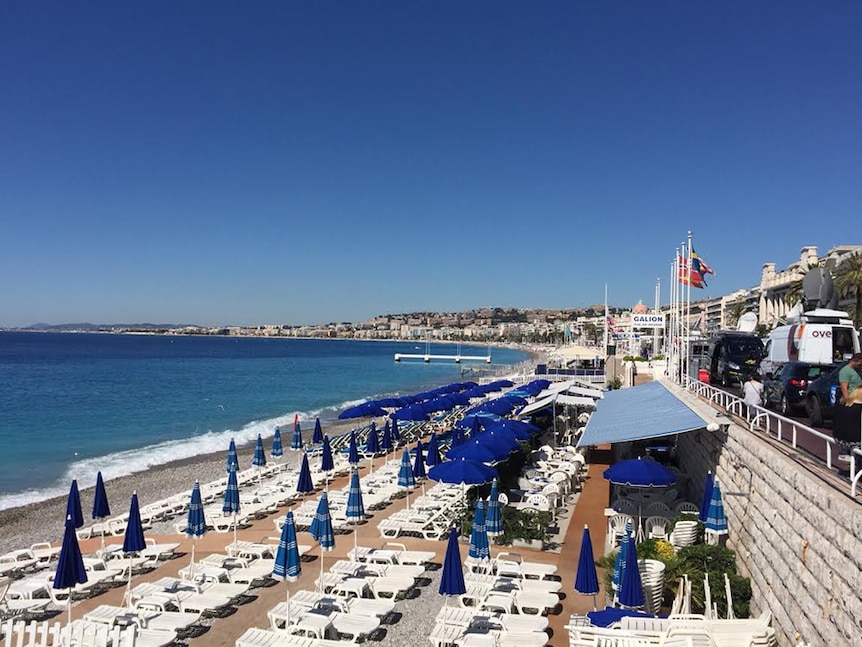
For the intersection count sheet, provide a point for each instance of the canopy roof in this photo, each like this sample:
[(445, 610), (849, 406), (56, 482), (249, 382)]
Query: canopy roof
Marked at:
[(571, 387), (544, 403), (646, 411)]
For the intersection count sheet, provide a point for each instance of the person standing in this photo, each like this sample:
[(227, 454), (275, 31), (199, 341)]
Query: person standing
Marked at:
[(849, 377), (847, 426), (752, 393)]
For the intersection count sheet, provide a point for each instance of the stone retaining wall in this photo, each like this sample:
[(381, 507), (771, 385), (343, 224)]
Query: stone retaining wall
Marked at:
[(796, 536)]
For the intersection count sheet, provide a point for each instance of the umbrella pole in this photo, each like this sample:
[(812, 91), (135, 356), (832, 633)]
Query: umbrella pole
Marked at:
[(69, 606), (320, 580), (192, 563), (234, 529), (408, 498), (287, 610), (129, 584), (103, 535)]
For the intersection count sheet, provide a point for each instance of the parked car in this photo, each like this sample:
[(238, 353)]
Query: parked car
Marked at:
[(734, 357), (821, 395), (784, 389)]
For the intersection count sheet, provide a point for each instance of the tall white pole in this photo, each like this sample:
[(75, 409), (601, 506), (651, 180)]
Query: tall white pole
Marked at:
[(655, 333), (688, 307)]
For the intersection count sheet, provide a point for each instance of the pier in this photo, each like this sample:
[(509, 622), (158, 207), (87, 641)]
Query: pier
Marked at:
[(427, 357)]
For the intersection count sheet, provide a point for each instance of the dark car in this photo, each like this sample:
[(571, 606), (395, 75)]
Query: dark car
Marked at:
[(734, 357), (822, 394), (784, 389)]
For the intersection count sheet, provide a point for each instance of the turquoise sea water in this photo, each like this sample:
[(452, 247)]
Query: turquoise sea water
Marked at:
[(74, 404)]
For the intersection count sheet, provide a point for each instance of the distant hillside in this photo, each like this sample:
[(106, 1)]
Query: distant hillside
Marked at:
[(90, 327)]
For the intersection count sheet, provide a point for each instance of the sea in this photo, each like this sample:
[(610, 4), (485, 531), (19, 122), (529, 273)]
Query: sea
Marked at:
[(74, 404)]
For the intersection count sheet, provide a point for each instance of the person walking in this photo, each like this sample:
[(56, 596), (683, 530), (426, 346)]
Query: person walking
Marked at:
[(849, 377), (752, 393), (847, 426)]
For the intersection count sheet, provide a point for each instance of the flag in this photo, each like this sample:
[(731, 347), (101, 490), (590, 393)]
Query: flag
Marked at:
[(690, 277), (700, 266)]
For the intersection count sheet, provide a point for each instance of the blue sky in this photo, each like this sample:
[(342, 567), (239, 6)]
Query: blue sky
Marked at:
[(302, 162)]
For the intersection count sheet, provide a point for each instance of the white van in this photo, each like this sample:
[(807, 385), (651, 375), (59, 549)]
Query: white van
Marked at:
[(818, 337)]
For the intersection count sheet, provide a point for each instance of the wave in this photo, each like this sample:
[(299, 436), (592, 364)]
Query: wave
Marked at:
[(133, 461)]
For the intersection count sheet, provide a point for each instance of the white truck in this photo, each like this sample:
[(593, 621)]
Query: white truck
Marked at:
[(820, 336)]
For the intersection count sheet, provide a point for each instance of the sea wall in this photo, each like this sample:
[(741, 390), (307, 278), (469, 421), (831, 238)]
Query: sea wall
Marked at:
[(796, 535)]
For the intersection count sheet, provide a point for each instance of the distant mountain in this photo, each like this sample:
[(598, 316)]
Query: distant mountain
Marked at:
[(90, 327)]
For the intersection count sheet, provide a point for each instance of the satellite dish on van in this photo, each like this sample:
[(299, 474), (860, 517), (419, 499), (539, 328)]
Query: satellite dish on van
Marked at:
[(793, 314), (818, 291), (747, 322)]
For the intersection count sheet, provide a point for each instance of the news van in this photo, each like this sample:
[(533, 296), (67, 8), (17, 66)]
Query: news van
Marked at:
[(819, 336)]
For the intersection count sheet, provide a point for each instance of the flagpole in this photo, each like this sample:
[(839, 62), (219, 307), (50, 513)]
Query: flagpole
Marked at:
[(688, 307), (655, 332)]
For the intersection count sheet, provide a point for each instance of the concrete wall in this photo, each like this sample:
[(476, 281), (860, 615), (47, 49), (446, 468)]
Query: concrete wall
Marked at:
[(796, 536)]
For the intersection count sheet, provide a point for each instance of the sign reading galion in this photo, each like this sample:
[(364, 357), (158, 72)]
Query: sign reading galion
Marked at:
[(647, 321)]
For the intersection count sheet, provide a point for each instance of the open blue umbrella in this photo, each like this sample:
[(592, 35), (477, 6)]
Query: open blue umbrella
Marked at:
[(386, 441), (462, 471), (133, 541), (630, 594), (482, 418), (73, 505), (479, 548), (405, 475), (707, 497), (473, 451), (368, 409), (196, 524), (355, 510), (259, 459), (452, 576), (277, 450), (304, 484), (287, 564), (503, 440), (457, 437), (716, 521), (518, 429), (231, 455), (352, 450), (317, 436), (586, 578), (231, 503), (411, 412), (493, 520), (70, 567), (321, 530), (101, 509), (432, 458), (296, 438), (636, 472)]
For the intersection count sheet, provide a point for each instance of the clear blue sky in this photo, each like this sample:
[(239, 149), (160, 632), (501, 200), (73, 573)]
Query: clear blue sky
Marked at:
[(301, 162)]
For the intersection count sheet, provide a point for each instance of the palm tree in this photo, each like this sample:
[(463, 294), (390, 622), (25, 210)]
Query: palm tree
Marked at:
[(848, 281), (793, 293), (735, 312)]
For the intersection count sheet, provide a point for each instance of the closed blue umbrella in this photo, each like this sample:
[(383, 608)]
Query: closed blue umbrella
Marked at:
[(479, 548), (405, 475), (707, 497), (73, 505), (616, 574), (196, 524), (630, 594), (419, 462), (70, 567), (493, 520), (304, 484), (393, 431), (321, 530), (716, 521), (327, 465), (231, 503), (355, 511), (259, 459), (586, 578), (462, 471), (296, 438), (352, 450), (386, 441), (287, 564), (433, 456), (277, 450), (133, 541), (101, 509), (452, 576), (317, 436), (231, 455), (372, 443), (640, 473)]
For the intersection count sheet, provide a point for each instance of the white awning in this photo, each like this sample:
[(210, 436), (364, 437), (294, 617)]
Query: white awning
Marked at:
[(572, 388), (558, 398)]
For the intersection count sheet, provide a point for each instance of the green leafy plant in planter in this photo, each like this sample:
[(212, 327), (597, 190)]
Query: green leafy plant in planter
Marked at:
[(525, 525), (715, 561)]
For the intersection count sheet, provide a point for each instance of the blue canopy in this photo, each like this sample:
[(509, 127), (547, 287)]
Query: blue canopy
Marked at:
[(133, 541), (70, 567), (586, 579), (73, 505), (326, 462), (304, 484), (474, 451), (518, 432), (391, 403), (703, 513), (101, 509), (287, 563), (479, 547), (317, 436), (411, 412), (368, 409), (231, 456), (259, 459), (419, 462), (646, 411), (636, 472), (501, 440), (462, 470), (433, 456), (500, 406), (609, 615), (452, 576), (277, 451)]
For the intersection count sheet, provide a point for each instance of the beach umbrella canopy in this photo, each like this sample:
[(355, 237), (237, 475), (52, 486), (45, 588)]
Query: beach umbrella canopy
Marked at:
[(609, 615), (259, 459), (296, 438), (352, 450), (481, 418), (514, 398), (372, 444), (304, 484), (232, 458), (470, 423), (503, 384), (586, 578), (368, 409), (386, 441), (196, 525), (355, 510), (433, 456), (458, 399), (287, 565), (425, 395), (452, 577), (73, 505), (133, 540), (419, 462), (457, 437), (636, 472), (716, 521), (500, 406), (70, 567), (521, 430), (101, 509), (630, 593), (317, 436), (393, 431), (391, 403), (231, 493), (277, 451), (326, 462), (479, 548), (405, 472), (440, 403), (502, 440), (462, 471), (500, 449), (321, 525), (475, 392), (493, 520), (707, 497), (411, 412), (473, 451)]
